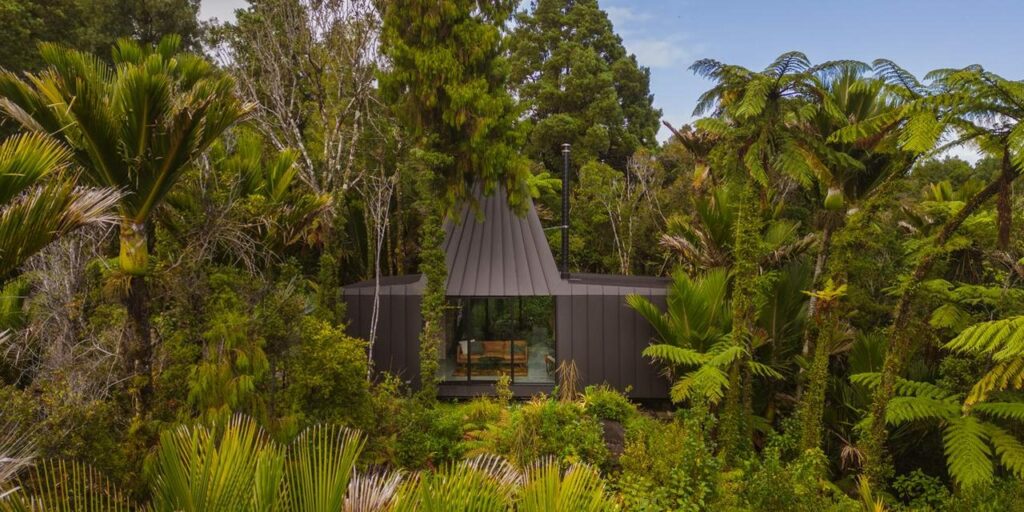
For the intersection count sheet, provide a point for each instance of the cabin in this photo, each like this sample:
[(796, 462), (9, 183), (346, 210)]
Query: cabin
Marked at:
[(513, 312)]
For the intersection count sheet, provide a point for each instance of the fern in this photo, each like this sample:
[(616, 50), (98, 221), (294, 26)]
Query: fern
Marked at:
[(676, 355), (707, 382), (1002, 410), (1009, 450), (1002, 339), (903, 409), (968, 455)]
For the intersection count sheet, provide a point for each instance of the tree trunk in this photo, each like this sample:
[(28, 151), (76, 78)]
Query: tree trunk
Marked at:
[(813, 327), (432, 265), (900, 341), (1004, 204), (812, 404), (138, 341), (734, 423)]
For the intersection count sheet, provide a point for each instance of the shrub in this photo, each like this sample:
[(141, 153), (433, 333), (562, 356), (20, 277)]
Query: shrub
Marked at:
[(1001, 495), (667, 466), (920, 491), (768, 483), (603, 402), (327, 376), (429, 435), (545, 427)]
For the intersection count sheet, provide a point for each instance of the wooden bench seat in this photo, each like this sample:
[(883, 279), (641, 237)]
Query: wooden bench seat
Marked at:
[(500, 350)]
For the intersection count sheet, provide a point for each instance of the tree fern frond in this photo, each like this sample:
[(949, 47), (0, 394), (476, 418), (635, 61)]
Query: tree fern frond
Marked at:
[(892, 73), (676, 355), (1002, 339), (763, 370), (904, 387), (789, 62), (1004, 375), (1009, 450), (1003, 410), (904, 409), (968, 455), (707, 381)]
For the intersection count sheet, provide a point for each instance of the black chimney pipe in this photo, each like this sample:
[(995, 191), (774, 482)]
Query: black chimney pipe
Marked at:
[(565, 211)]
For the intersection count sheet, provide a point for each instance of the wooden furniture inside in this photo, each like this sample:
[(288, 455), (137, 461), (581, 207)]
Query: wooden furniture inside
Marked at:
[(492, 357)]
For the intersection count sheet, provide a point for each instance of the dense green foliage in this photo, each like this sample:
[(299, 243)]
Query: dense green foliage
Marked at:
[(842, 328)]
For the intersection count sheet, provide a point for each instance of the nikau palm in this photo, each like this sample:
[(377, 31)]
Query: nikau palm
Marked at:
[(237, 467), (135, 126), (39, 201)]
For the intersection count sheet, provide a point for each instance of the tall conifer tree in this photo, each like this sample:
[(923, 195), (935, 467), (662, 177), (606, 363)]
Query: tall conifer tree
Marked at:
[(447, 85), (580, 85)]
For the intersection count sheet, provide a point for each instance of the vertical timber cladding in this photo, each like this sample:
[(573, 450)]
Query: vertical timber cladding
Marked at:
[(606, 338)]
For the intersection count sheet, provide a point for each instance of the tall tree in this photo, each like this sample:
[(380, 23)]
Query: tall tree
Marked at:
[(91, 26), (446, 83), (579, 85), (979, 106), (859, 168), (760, 118), (136, 127)]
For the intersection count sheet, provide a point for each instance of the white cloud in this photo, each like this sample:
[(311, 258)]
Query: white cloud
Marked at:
[(662, 52), (639, 30), (624, 15), (224, 10)]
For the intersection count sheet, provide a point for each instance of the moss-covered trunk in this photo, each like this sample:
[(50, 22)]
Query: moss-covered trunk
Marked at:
[(901, 342), (432, 265), (812, 403), (735, 422), (137, 347)]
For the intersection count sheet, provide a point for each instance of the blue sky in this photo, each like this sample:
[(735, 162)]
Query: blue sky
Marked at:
[(920, 35)]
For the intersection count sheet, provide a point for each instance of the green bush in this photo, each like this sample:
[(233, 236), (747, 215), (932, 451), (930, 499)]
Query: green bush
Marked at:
[(920, 491), (766, 482), (1002, 495), (546, 427), (667, 466), (428, 436), (605, 403), (327, 376)]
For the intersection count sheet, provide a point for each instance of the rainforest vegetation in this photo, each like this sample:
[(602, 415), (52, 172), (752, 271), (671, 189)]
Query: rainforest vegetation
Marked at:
[(181, 202)]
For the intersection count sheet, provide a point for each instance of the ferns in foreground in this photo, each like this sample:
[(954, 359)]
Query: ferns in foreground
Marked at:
[(237, 467)]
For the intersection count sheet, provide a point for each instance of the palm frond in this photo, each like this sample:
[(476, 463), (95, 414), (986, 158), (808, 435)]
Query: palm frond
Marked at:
[(548, 488)]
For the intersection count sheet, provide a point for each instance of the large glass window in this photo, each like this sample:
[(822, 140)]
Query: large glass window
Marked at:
[(488, 337)]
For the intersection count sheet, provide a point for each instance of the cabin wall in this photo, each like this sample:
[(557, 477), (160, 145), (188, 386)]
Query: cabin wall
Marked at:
[(594, 327), (605, 338), (397, 347)]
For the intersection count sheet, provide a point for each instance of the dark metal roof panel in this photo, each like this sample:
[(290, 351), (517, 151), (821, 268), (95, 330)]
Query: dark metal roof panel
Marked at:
[(499, 253)]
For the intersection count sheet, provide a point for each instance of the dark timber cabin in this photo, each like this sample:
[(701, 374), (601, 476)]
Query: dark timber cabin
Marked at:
[(512, 312)]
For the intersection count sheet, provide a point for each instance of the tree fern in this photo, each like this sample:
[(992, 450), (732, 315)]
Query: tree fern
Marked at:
[(1003, 341), (968, 455), (972, 440)]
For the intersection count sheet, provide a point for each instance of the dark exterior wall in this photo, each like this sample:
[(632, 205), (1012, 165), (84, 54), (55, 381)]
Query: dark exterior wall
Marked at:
[(593, 327), (397, 347), (605, 338)]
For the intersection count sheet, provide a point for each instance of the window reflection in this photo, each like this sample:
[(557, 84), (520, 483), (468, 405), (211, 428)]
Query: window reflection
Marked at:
[(488, 337)]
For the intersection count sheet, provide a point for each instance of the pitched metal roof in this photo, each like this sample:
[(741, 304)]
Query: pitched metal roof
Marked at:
[(499, 253), (494, 252)]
